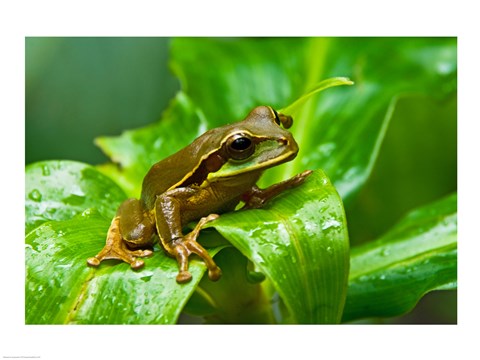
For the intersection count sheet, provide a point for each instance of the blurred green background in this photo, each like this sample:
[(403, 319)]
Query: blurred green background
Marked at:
[(80, 88)]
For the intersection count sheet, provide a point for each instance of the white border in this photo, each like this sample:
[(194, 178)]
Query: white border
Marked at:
[(226, 18)]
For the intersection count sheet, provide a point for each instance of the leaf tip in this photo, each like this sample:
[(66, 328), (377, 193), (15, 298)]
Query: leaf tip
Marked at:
[(322, 85), (346, 81)]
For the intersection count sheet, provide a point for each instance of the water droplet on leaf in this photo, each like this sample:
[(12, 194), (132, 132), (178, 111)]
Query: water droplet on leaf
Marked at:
[(146, 278), (35, 195), (45, 170)]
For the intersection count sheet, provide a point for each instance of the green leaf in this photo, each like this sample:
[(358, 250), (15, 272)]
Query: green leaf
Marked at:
[(300, 241), (58, 190), (57, 272), (388, 276), (60, 288)]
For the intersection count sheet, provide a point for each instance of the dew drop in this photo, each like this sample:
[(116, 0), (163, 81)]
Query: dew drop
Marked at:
[(64, 266), (329, 223), (35, 195), (86, 212), (45, 170)]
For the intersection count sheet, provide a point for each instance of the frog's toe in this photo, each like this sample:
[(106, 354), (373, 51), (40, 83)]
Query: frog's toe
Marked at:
[(93, 261), (142, 253), (210, 217), (137, 264), (147, 252), (215, 273), (184, 277), (120, 252)]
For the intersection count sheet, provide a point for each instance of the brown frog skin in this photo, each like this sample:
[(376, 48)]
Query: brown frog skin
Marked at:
[(208, 177)]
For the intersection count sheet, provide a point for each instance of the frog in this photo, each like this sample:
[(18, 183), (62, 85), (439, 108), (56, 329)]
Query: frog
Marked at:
[(215, 174)]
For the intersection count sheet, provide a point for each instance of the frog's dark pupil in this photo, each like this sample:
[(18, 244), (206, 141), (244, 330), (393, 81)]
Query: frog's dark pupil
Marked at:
[(241, 143)]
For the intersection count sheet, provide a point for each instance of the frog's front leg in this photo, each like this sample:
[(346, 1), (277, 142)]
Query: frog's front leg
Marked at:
[(131, 227), (169, 220), (256, 197)]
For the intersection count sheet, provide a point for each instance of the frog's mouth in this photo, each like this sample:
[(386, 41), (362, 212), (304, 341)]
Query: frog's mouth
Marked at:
[(268, 153)]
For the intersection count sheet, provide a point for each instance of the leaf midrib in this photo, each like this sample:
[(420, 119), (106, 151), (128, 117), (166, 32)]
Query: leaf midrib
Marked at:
[(80, 298)]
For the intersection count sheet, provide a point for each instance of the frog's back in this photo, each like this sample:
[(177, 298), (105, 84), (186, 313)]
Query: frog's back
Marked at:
[(161, 177), (172, 171)]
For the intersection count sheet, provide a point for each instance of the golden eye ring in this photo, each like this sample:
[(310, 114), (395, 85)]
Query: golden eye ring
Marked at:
[(240, 146)]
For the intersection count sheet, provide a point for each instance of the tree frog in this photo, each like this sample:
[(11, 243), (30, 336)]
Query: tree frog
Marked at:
[(210, 176)]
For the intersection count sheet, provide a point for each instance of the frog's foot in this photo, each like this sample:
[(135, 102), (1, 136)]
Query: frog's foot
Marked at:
[(299, 178), (188, 245), (116, 248), (120, 253), (256, 198)]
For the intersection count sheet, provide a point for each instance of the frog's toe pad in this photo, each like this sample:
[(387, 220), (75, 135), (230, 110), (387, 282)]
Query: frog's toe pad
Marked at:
[(215, 273), (147, 253), (93, 261), (142, 253), (184, 277), (137, 264)]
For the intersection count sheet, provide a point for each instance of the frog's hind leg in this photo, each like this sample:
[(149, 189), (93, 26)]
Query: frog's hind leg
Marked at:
[(116, 248)]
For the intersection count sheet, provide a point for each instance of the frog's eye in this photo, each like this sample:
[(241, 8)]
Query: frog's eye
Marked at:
[(240, 146)]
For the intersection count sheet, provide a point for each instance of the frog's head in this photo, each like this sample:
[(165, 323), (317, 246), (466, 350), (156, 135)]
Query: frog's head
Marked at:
[(258, 142)]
